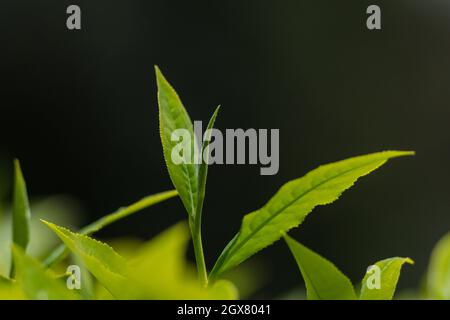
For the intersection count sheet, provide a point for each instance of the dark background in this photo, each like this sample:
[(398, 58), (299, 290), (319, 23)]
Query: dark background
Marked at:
[(78, 108)]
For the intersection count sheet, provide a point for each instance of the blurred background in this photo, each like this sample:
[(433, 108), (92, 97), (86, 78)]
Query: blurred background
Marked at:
[(78, 108)]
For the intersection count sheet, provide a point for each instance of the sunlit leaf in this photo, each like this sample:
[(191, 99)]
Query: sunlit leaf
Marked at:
[(323, 280), (173, 116), (381, 279), (438, 276), (101, 260), (21, 209), (36, 282), (160, 271), (60, 252), (293, 202), (10, 290)]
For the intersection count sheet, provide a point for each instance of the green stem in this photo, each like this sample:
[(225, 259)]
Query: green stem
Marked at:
[(199, 256), (196, 221)]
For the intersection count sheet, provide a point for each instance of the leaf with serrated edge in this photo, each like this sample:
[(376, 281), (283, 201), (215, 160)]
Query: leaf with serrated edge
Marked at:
[(101, 260), (173, 116), (157, 272), (323, 280), (293, 202), (389, 272), (61, 251)]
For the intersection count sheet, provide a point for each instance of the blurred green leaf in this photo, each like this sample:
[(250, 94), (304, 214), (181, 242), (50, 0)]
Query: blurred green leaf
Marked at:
[(61, 209), (248, 277), (4, 280), (9, 290), (173, 116), (37, 282), (160, 271), (20, 213), (381, 279), (87, 290), (21, 209), (293, 202), (101, 260), (438, 276), (323, 280), (60, 252)]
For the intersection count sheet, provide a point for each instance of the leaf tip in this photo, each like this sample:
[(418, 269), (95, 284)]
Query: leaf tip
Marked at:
[(402, 153), (159, 75), (52, 226), (17, 169), (157, 70), (16, 163)]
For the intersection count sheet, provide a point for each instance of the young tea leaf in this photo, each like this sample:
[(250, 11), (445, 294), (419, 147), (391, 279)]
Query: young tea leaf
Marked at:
[(61, 251), (203, 168), (293, 202), (323, 280), (21, 209), (36, 282), (438, 275), (197, 221), (381, 279), (101, 260), (173, 116)]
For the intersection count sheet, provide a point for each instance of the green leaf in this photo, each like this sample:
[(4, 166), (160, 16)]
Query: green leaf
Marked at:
[(159, 270), (87, 290), (36, 282), (323, 280), (293, 202), (381, 279), (197, 221), (4, 280), (21, 209), (203, 168), (61, 251), (438, 275), (101, 260), (173, 116), (9, 290)]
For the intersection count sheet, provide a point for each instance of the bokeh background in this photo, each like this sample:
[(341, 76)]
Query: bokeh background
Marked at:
[(78, 108)]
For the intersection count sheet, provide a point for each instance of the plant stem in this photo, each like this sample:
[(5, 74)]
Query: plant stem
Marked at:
[(197, 228), (199, 256)]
